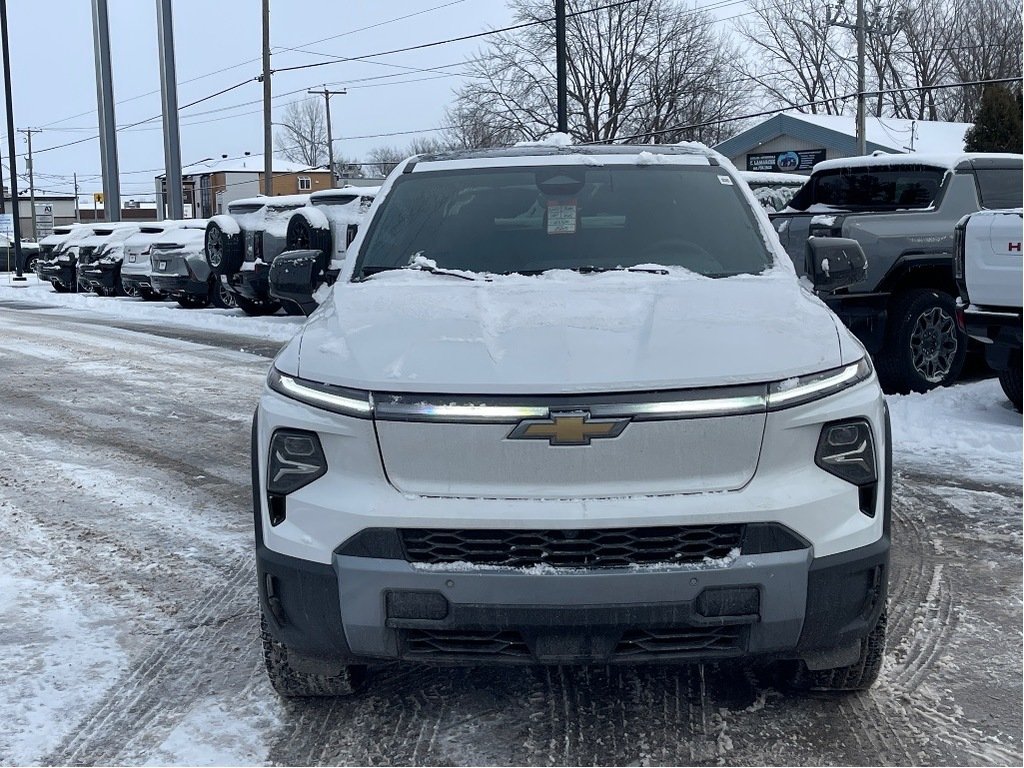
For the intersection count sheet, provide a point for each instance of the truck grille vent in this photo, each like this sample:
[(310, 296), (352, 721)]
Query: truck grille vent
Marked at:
[(596, 548), (679, 643)]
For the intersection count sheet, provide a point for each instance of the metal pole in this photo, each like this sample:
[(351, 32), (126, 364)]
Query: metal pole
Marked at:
[(78, 214), (169, 104), (268, 143), (105, 107), (31, 179), (330, 136), (563, 114), (11, 153), (862, 143)]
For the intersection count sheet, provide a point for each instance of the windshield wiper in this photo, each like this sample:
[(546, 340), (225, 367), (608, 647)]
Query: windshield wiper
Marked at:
[(591, 270), (368, 272)]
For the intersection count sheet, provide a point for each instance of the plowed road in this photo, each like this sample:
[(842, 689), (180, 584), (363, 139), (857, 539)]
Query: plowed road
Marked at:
[(128, 624)]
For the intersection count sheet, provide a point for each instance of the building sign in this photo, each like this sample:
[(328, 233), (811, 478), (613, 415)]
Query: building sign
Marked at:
[(7, 225), (44, 220), (785, 162)]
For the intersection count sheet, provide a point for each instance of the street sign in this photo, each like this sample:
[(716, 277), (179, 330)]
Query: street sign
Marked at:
[(7, 225), (97, 197), (44, 220)]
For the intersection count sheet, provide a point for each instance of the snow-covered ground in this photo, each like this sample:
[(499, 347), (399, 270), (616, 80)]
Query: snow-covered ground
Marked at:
[(968, 431), (277, 328)]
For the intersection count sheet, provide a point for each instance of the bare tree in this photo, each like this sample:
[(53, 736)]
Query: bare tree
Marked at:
[(795, 58), (383, 159), (302, 133), (469, 126), (629, 68), (984, 40)]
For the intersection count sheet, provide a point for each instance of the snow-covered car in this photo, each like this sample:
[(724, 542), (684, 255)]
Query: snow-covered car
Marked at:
[(105, 245), (773, 190), (241, 244), (83, 246), (122, 269), (988, 267), (317, 240), (572, 405), (178, 269)]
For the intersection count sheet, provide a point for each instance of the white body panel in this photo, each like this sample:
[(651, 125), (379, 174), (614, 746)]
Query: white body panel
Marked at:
[(993, 263)]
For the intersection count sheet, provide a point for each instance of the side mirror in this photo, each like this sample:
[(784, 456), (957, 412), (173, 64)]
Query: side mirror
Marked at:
[(834, 262), (295, 276)]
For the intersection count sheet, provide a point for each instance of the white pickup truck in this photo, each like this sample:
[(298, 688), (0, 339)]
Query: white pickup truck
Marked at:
[(988, 268)]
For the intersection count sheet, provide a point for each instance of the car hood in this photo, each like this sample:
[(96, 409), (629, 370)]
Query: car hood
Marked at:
[(564, 332)]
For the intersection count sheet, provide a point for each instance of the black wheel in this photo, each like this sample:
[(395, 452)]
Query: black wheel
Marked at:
[(30, 263), (1010, 380), (859, 676), (127, 289), (59, 287), (256, 307), (148, 294), (303, 236), (291, 683), (924, 347), (220, 296), (99, 290), (190, 301), (224, 252)]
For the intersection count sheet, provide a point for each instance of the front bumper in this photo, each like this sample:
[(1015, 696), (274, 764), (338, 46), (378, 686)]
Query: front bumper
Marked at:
[(778, 605), (998, 330), (65, 274)]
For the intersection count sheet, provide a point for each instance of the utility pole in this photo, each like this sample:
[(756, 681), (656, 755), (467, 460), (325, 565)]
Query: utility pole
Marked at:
[(268, 139), (330, 137), (78, 213), (105, 108), (169, 105), (862, 29), (560, 75), (31, 177), (12, 155)]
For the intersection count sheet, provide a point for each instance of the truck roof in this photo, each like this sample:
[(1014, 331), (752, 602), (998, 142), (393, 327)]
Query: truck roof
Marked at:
[(553, 152), (949, 162)]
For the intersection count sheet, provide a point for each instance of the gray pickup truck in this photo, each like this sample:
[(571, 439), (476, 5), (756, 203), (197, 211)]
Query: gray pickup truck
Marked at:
[(902, 209)]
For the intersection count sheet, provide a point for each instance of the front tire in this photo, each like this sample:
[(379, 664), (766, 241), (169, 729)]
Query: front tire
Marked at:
[(59, 287), (220, 296), (224, 252), (924, 347), (290, 683), (859, 676), (1011, 381)]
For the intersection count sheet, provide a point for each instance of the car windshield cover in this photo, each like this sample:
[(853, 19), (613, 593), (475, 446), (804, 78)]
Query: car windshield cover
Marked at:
[(871, 189), (531, 220)]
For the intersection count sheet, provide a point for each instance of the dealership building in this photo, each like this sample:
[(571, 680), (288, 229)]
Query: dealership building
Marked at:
[(792, 142)]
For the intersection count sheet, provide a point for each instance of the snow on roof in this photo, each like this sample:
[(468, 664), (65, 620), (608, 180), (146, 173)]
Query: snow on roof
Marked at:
[(250, 164), (940, 161), (929, 136), (348, 189), (767, 177)]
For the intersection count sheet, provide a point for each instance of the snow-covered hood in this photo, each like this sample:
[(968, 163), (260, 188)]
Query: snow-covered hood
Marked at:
[(564, 332)]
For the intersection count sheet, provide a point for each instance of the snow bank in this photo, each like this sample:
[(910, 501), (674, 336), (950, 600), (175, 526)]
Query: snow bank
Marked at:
[(968, 431), (278, 328)]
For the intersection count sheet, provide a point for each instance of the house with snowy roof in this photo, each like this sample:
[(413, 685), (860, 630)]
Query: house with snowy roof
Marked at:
[(793, 142)]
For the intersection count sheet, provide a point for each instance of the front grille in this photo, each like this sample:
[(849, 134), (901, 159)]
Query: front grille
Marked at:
[(679, 641), (462, 644), (596, 548)]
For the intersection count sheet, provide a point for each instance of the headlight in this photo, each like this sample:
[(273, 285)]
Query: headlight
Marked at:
[(846, 449), (296, 460), (350, 402), (803, 389)]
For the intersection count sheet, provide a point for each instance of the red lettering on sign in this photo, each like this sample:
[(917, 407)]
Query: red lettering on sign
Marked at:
[(1013, 247)]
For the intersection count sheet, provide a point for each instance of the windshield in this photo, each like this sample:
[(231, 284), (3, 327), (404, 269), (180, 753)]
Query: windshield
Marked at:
[(871, 189), (530, 220)]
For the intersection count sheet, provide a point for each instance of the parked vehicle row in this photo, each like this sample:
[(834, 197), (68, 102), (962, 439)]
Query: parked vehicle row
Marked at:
[(274, 252), (902, 210)]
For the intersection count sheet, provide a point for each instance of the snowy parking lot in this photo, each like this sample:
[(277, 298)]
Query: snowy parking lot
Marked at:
[(130, 623)]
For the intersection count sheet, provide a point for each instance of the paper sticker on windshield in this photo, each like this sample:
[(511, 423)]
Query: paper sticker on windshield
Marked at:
[(725, 180), (561, 217)]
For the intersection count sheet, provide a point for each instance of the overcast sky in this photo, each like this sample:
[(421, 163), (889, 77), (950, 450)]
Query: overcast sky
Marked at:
[(218, 44)]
